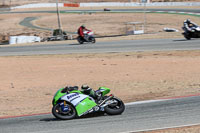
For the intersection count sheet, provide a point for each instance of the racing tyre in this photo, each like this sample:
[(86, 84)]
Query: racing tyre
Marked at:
[(186, 36), (67, 113), (80, 40), (116, 108), (93, 40)]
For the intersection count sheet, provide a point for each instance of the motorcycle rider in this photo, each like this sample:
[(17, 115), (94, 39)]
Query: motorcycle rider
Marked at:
[(188, 25), (89, 91), (81, 30)]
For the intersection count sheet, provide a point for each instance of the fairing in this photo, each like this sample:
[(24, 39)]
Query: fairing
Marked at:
[(81, 102)]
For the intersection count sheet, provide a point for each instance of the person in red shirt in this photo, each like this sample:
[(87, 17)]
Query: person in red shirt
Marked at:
[(81, 30)]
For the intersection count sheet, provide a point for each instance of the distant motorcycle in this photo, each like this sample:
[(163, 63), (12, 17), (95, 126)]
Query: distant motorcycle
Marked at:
[(69, 103), (195, 33), (89, 37)]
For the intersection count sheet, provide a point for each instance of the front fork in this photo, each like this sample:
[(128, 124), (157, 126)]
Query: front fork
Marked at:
[(64, 106)]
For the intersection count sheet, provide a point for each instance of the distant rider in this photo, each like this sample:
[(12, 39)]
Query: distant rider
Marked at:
[(81, 30), (89, 91), (189, 25)]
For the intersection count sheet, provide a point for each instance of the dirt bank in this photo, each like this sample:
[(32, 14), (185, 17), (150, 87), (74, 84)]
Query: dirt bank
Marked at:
[(28, 83)]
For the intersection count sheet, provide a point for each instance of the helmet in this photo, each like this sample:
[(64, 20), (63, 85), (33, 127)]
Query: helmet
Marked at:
[(86, 89), (83, 26), (187, 21), (69, 88)]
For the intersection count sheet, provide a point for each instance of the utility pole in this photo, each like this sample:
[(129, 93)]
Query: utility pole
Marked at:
[(3, 3), (145, 18), (58, 16)]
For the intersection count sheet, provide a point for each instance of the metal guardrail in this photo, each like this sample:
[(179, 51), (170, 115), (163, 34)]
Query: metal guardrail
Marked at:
[(4, 9)]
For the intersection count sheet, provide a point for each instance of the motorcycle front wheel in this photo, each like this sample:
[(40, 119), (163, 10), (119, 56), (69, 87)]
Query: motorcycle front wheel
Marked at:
[(68, 114), (116, 108), (92, 40), (186, 36)]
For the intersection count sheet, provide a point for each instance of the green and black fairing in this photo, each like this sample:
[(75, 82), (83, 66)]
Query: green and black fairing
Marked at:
[(85, 104)]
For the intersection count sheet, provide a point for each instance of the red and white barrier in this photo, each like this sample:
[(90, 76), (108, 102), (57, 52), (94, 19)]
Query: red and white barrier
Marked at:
[(71, 5)]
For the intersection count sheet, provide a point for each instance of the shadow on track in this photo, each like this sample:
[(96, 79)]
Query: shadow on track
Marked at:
[(49, 119), (180, 40), (82, 117), (77, 44), (192, 39)]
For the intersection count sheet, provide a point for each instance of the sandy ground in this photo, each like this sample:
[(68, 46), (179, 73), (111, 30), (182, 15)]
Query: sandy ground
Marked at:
[(187, 129), (28, 83), (100, 23), (110, 24)]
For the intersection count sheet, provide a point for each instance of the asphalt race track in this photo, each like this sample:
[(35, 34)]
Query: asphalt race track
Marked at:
[(137, 117), (101, 47)]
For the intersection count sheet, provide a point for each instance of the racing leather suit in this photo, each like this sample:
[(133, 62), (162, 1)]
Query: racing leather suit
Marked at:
[(188, 25), (89, 91), (81, 33)]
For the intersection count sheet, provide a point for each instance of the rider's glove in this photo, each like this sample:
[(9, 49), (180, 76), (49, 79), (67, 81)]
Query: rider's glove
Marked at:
[(98, 94)]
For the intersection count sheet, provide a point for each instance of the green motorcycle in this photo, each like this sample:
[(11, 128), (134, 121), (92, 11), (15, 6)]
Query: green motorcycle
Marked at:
[(69, 103)]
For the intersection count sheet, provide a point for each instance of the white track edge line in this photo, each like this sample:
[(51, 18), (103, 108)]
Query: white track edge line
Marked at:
[(146, 101), (154, 129)]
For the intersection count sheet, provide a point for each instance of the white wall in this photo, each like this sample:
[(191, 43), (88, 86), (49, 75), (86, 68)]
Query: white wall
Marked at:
[(23, 39), (139, 4), (106, 4), (39, 5)]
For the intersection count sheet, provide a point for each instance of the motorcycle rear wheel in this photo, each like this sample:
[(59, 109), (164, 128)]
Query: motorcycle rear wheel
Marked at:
[(80, 40), (59, 114), (115, 108)]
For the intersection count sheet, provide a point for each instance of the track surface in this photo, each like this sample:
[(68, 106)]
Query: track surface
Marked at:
[(101, 47), (137, 117)]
